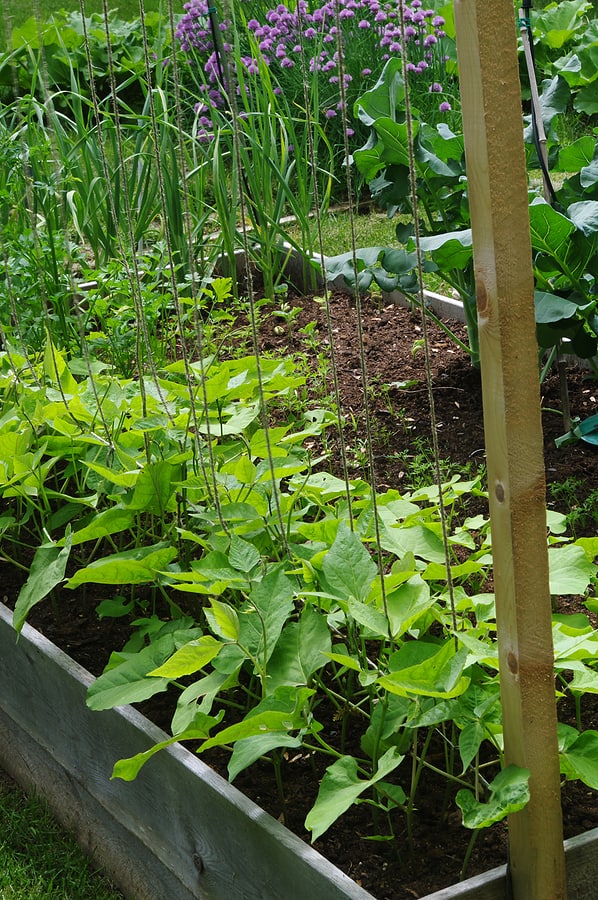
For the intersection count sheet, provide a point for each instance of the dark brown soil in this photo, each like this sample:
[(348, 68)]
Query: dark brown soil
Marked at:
[(400, 428)]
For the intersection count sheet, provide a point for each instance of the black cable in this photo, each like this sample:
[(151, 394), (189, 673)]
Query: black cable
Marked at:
[(526, 8)]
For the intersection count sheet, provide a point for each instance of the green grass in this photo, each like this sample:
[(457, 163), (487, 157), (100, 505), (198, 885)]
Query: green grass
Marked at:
[(37, 860), (372, 230), (19, 12)]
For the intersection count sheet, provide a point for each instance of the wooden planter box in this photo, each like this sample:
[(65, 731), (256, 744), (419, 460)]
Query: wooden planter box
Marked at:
[(179, 830)]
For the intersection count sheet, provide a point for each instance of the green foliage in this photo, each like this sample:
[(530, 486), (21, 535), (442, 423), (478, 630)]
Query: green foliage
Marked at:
[(62, 41), (509, 793), (564, 237), (271, 593), (341, 787), (267, 161), (566, 43), (262, 588), (296, 49), (18, 14)]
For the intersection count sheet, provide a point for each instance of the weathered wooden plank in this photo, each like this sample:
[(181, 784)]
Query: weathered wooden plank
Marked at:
[(581, 855), (179, 830), (491, 885), (441, 306)]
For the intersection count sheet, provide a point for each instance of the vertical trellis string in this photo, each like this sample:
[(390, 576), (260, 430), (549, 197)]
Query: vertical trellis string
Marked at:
[(50, 111), (110, 195), (133, 272), (7, 22), (208, 472), (357, 299), (317, 212), (424, 320), (231, 85)]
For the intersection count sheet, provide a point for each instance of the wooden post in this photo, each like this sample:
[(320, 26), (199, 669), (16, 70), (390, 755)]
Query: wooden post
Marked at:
[(492, 121)]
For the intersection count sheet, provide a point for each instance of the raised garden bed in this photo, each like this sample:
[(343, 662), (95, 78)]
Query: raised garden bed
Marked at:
[(179, 830)]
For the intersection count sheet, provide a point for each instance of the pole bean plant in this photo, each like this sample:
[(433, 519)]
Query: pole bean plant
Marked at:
[(248, 573)]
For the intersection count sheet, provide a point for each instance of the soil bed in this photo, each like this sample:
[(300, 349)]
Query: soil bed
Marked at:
[(400, 427)]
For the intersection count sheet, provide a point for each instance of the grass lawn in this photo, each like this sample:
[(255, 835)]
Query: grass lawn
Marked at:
[(372, 230), (37, 859), (127, 9)]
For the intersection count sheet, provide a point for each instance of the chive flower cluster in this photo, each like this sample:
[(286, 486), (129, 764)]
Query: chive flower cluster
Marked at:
[(307, 39)]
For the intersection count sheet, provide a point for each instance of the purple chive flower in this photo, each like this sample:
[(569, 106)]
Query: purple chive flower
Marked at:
[(330, 113), (444, 106), (277, 30)]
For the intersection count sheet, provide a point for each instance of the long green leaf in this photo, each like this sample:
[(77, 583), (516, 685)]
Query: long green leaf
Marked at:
[(341, 787), (47, 571), (139, 566), (348, 567)]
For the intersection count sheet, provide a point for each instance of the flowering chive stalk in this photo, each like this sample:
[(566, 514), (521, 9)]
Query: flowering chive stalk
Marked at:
[(289, 41)]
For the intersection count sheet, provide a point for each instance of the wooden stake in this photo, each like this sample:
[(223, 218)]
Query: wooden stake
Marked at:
[(492, 121)]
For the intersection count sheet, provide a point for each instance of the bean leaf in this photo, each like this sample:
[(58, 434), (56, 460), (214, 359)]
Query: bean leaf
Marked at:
[(509, 793), (340, 788)]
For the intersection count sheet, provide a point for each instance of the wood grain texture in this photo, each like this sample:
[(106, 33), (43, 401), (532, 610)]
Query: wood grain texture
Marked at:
[(178, 831), (493, 129), (581, 855)]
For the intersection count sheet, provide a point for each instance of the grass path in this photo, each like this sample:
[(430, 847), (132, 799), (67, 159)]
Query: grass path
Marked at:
[(37, 859)]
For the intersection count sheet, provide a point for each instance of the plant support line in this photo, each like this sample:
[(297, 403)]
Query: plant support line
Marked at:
[(491, 102)]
